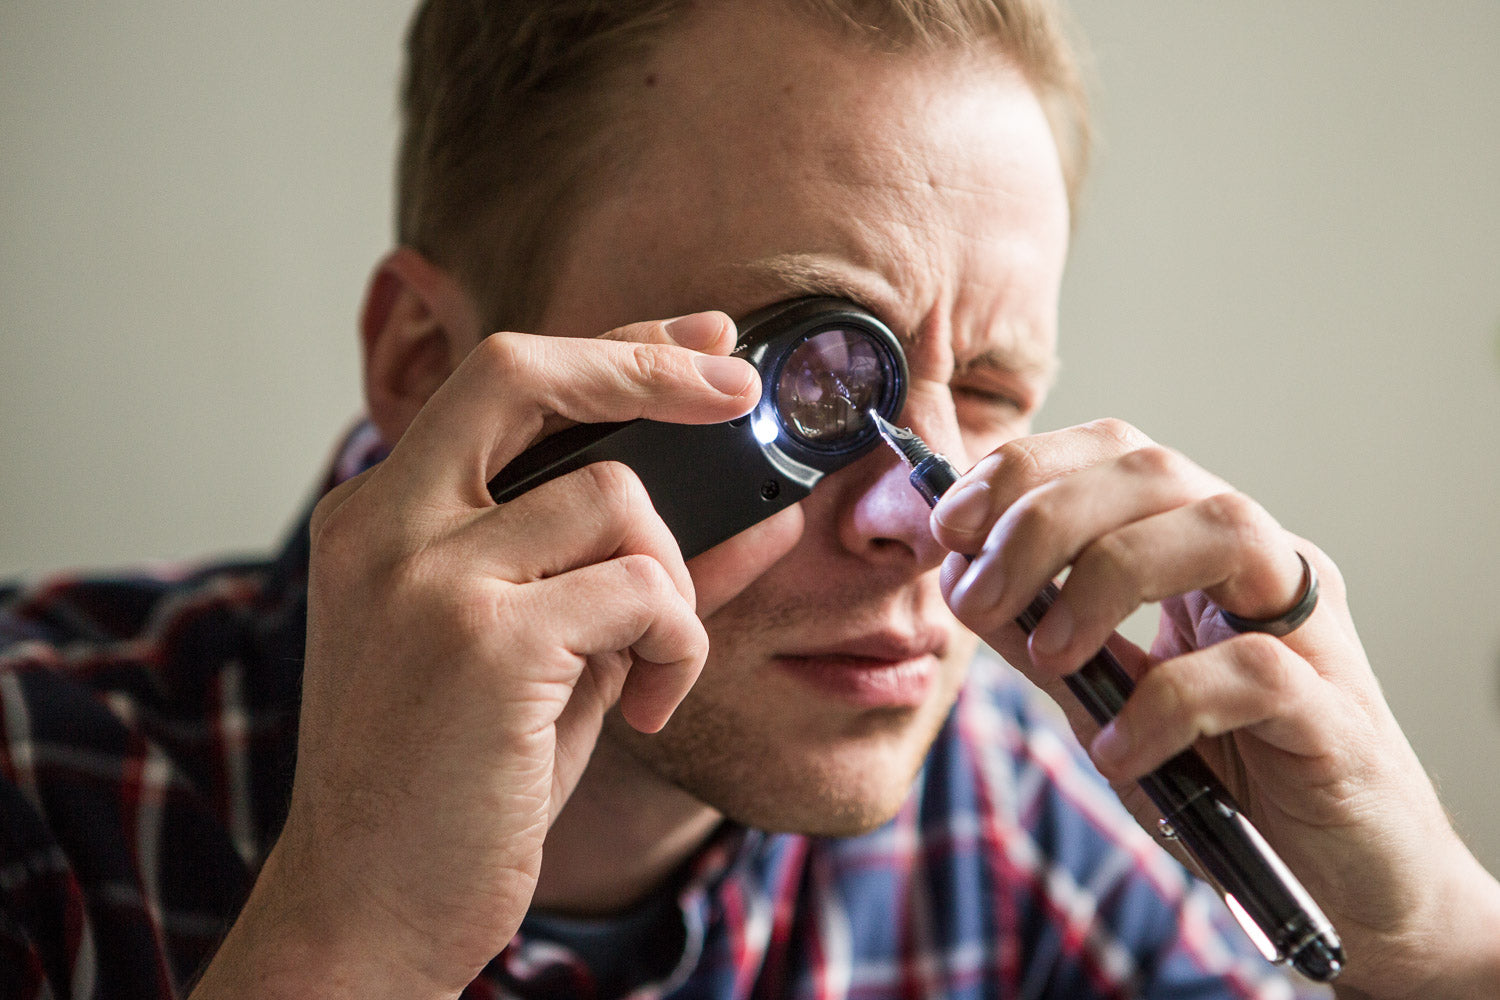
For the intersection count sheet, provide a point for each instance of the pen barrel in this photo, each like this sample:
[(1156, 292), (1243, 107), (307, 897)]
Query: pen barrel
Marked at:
[(1261, 892), (932, 476)]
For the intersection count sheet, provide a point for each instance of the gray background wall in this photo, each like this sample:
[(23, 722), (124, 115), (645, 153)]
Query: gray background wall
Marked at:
[(1288, 267)]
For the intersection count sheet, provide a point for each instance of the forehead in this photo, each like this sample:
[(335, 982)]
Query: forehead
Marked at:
[(765, 157)]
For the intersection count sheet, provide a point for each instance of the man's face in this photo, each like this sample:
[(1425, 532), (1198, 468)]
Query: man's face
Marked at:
[(778, 161)]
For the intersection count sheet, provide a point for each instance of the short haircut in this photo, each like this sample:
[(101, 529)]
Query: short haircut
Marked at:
[(506, 105)]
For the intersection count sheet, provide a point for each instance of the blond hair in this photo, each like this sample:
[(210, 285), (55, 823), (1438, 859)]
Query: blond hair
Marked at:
[(506, 104)]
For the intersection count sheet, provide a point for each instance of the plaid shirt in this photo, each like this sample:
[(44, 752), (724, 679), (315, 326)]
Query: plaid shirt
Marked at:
[(147, 741)]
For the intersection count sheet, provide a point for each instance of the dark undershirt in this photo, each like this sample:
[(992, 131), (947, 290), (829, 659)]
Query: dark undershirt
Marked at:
[(625, 951)]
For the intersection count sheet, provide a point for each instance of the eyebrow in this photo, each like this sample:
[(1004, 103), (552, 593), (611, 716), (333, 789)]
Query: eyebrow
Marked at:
[(819, 274), (1011, 348)]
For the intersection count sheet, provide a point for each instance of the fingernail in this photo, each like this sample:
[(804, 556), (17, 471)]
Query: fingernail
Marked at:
[(1055, 631), (966, 509), (1110, 747), (731, 376), (696, 330)]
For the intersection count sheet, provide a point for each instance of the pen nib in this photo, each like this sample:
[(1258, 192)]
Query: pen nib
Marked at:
[(911, 448)]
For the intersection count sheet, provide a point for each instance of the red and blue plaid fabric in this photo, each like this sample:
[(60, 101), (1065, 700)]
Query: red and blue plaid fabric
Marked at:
[(147, 741)]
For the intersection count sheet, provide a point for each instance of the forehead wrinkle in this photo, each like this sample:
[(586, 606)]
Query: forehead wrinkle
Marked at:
[(1005, 331), (883, 256)]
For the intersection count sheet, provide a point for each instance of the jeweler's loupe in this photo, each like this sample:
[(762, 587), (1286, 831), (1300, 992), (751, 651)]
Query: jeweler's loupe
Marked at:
[(823, 363)]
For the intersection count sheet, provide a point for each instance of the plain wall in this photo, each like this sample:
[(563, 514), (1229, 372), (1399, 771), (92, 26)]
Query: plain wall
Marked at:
[(1288, 266)]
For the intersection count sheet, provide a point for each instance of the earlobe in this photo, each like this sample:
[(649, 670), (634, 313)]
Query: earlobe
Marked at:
[(417, 324)]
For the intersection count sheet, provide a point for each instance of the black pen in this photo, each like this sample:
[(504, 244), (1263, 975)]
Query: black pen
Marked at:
[(1197, 810)]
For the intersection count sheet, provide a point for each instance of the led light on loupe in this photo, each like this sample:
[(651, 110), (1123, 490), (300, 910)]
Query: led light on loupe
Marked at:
[(763, 427), (827, 383)]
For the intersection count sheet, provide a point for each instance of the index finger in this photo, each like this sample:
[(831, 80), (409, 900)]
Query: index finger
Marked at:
[(711, 332), (497, 400), (965, 514)]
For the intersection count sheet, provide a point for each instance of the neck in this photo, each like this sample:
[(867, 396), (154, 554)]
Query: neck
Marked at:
[(623, 832)]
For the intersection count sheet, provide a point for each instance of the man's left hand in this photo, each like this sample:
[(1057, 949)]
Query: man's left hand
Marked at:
[(1295, 726)]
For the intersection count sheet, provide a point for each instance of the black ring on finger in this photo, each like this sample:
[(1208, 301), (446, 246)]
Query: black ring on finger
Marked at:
[(1282, 624)]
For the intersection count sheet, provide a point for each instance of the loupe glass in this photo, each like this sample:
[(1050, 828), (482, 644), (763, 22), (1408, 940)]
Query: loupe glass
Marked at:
[(826, 384)]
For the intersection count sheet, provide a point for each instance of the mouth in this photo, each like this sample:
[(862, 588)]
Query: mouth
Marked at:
[(871, 672)]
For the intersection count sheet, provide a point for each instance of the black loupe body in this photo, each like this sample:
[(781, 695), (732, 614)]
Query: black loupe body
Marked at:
[(823, 362)]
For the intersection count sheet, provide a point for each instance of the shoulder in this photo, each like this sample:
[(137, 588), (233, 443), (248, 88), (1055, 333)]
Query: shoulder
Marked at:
[(111, 611), (87, 661), (175, 662), (142, 751)]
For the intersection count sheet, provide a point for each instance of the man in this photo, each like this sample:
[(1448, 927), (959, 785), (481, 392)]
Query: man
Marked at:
[(540, 754)]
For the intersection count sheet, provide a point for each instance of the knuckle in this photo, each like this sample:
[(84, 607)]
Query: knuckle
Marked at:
[(1114, 431), (1172, 690), (646, 576), (648, 364), (1181, 702), (1235, 512), (1229, 509), (1115, 556), (503, 355), (1265, 661), (1021, 462), (615, 484), (1037, 517), (1154, 461), (322, 513), (338, 539), (617, 492), (324, 527), (478, 612), (692, 638)]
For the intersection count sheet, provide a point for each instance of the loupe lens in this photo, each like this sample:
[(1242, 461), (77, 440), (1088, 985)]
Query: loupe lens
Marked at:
[(827, 383)]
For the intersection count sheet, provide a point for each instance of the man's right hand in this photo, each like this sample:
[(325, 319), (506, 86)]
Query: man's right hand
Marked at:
[(460, 658)]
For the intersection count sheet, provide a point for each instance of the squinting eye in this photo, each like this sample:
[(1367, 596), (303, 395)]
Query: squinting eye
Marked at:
[(989, 397)]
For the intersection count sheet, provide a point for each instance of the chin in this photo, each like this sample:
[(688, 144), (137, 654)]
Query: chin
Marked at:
[(819, 802), (837, 786), (828, 816)]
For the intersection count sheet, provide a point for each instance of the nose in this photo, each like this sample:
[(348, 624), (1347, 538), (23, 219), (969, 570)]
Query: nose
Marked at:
[(879, 516)]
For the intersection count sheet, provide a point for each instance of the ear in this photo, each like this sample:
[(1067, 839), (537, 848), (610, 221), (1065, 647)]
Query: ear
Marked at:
[(417, 324)]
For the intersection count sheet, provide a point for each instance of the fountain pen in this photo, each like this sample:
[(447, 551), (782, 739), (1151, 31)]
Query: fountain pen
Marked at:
[(1197, 811)]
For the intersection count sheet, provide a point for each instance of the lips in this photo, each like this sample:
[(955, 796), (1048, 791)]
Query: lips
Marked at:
[(884, 670)]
